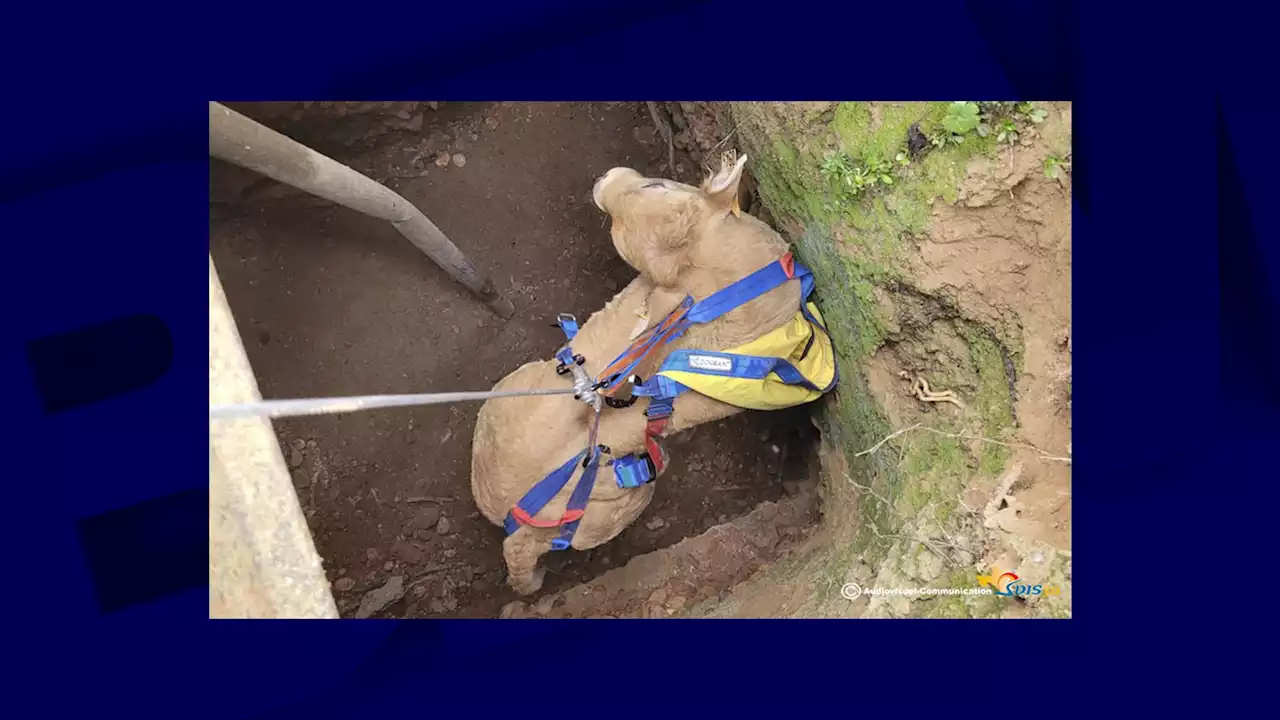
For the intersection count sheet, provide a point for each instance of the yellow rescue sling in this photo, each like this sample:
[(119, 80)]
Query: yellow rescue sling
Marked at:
[(801, 342), (792, 365)]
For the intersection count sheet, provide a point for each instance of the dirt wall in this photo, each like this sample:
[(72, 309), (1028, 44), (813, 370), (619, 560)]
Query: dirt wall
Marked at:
[(940, 235)]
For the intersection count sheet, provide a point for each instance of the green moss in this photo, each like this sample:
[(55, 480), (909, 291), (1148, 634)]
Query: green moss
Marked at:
[(788, 180), (939, 175), (942, 606), (937, 467), (992, 401), (949, 606), (855, 246), (988, 606), (788, 171), (835, 570), (875, 132), (788, 167), (784, 152), (934, 456)]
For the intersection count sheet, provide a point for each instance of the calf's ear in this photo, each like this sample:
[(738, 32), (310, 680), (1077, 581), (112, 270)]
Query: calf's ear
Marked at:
[(721, 189)]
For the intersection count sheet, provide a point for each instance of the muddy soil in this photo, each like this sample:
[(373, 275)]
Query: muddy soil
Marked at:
[(331, 302), (666, 582), (982, 309)]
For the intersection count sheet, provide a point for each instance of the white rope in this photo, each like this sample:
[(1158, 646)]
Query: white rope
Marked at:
[(330, 406)]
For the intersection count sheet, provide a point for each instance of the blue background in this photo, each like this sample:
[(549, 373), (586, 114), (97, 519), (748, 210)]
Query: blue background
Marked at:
[(103, 215)]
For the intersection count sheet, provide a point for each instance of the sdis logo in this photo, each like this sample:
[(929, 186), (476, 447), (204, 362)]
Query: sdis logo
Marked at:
[(1007, 584)]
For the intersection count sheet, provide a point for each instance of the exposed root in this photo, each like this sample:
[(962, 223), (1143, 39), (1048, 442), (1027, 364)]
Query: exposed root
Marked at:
[(952, 553), (964, 435), (1002, 490), (665, 128), (920, 388)]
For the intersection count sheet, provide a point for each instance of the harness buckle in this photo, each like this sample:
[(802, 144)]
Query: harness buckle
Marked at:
[(568, 323), (659, 409), (600, 450), (633, 471), (565, 358), (629, 398)]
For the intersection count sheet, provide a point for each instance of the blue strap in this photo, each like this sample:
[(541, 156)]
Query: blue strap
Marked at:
[(739, 293), (578, 501), (542, 493), (631, 471), (567, 323), (805, 276), (806, 286), (713, 306), (748, 367), (661, 391), (673, 333)]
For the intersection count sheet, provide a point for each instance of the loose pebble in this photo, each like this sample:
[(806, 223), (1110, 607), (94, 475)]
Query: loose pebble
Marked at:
[(379, 599)]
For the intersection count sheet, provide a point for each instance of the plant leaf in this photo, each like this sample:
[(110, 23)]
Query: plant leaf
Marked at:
[(886, 179), (961, 118), (983, 129)]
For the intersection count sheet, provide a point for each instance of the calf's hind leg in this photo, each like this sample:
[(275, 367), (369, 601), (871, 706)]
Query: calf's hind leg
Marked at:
[(521, 551)]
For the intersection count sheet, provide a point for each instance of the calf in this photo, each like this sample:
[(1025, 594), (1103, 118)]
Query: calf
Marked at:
[(684, 241)]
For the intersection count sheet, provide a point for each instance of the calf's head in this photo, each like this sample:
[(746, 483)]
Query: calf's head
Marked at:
[(656, 222)]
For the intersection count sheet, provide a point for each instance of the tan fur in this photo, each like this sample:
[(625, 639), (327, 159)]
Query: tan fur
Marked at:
[(684, 241)]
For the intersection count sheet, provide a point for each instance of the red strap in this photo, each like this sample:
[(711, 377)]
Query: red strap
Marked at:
[(523, 518), (788, 263), (652, 431), (633, 350)]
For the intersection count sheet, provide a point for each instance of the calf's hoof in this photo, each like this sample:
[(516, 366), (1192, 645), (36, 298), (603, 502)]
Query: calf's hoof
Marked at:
[(527, 583)]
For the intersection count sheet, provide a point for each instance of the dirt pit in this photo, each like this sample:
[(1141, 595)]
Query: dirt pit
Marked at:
[(331, 302)]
